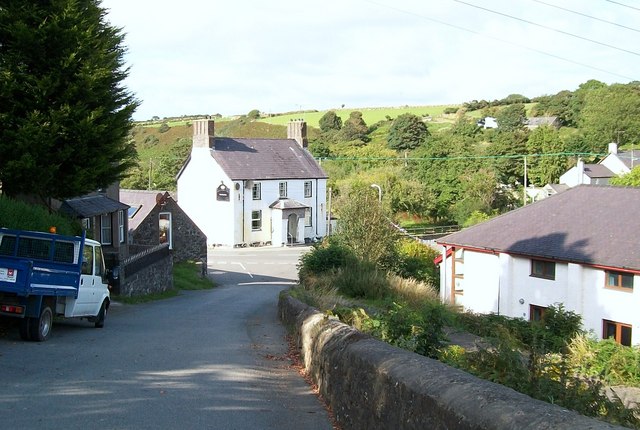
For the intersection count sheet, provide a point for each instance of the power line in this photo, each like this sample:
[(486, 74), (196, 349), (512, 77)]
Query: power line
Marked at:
[(509, 42), (622, 4), (462, 157), (587, 16), (546, 27)]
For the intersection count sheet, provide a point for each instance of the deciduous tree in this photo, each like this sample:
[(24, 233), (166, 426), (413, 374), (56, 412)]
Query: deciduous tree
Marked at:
[(407, 132), (330, 121), (64, 111)]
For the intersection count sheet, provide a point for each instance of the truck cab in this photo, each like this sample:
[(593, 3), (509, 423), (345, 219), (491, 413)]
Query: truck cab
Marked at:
[(43, 275)]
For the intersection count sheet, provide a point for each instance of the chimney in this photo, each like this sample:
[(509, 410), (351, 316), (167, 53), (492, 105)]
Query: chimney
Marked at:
[(580, 169), (203, 133), (613, 148), (297, 130)]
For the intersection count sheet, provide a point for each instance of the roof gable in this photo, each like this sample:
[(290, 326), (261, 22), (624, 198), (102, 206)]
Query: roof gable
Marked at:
[(264, 159), (586, 224), (144, 201)]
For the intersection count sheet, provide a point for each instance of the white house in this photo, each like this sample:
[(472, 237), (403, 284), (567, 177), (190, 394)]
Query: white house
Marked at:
[(614, 164), (578, 248), (253, 191)]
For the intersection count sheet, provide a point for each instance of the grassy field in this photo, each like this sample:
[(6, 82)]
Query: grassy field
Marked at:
[(370, 115)]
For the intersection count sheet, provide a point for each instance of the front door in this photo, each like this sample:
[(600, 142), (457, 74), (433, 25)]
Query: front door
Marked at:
[(292, 229)]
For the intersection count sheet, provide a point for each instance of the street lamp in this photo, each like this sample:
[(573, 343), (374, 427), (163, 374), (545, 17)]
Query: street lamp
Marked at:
[(379, 191)]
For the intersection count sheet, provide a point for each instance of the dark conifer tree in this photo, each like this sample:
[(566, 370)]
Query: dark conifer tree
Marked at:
[(65, 115)]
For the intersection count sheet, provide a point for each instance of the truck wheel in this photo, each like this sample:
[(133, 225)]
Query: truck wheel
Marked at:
[(102, 315), (40, 328), (24, 329)]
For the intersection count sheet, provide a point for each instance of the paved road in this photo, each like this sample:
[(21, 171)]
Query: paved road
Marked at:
[(206, 359)]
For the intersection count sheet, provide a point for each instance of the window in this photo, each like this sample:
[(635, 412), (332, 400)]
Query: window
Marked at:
[(105, 229), (620, 332), (619, 280), (308, 189), (308, 221), (256, 220), (121, 225), (283, 190), (86, 224), (99, 262), (543, 269), (256, 191), (536, 313), (164, 225), (87, 260)]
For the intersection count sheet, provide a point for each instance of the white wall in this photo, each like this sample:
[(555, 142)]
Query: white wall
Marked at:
[(574, 177), (197, 186), (613, 163), (579, 288)]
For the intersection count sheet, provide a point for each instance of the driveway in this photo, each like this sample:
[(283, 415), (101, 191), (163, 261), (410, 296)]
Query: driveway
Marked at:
[(205, 359)]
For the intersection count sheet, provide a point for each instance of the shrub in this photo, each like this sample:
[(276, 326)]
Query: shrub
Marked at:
[(615, 364), (325, 256), (420, 330), (24, 216), (362, 279), (415, 260)]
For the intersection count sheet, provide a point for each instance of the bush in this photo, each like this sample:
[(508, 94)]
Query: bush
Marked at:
[(19, 215), (415, 260), (362, 280), (326, 256), (420, 330)]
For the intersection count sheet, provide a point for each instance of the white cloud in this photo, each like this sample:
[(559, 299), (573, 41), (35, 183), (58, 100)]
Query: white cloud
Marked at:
[(210, 56)]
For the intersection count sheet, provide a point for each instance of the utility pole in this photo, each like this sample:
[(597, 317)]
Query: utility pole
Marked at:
[(150, 168), (524, 189)]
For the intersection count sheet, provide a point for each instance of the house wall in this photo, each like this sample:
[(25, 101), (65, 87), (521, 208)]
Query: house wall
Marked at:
[(197, 188), (498, 283), (574, 177), (613, 163), (188, 241)]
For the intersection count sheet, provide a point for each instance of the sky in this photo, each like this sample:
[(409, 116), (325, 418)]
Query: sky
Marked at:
[(192, 57)]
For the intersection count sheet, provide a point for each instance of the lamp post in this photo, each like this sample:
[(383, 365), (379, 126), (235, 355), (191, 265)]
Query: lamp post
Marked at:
[(379, 191)]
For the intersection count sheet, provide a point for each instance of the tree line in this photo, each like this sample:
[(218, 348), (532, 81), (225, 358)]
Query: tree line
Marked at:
[(457, 172)]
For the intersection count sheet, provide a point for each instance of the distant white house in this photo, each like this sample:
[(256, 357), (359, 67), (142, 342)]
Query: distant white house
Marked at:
[(487, 122), (578, 248), (253, 191), (614, 164)]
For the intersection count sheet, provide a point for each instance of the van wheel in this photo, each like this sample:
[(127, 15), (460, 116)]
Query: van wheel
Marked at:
[(102, 315), (40, 328), (24, 329)]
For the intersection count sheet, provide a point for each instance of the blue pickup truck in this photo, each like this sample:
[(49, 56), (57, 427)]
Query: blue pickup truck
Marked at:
[(43, 275)]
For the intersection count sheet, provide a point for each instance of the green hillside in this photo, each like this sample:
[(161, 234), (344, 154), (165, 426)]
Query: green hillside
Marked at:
[(371, 115), (432, 166)]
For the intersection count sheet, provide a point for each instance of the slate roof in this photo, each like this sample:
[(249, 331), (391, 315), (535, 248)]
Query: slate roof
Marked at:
[(598, 171), (631, 158), (594, 225), (90, 206), (263, 159), (143, 201)]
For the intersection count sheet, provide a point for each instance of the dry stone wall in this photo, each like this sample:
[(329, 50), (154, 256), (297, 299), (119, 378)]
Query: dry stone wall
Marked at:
[(370, 384)]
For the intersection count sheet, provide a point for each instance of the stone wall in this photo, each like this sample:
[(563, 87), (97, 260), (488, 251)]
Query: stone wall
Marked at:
[(189, 242), (370, 384), (153, 274)]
